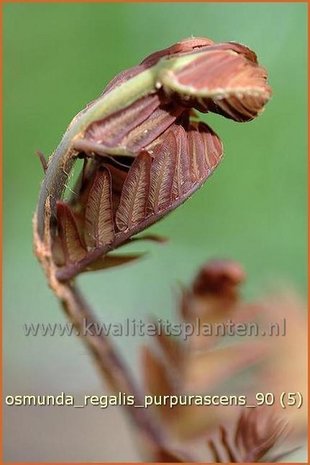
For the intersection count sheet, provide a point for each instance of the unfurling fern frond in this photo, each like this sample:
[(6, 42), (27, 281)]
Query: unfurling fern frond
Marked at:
[(122, 199)]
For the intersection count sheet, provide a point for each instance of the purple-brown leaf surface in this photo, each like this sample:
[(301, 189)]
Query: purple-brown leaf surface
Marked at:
[(220, 80), (73, 247), (132, 206), (99, 225), (162, 174), (112, 129)]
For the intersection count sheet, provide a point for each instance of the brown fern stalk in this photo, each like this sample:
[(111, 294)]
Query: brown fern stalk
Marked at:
[(144, 154)]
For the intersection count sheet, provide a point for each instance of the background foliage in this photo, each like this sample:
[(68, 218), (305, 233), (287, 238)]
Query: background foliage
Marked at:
[(58, 57)]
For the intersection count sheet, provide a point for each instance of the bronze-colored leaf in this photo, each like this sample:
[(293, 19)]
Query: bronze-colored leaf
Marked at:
[(79, 196), (112, 129), (132, 206), (181, 178), (162, 174), (150, 237), (118, 176), (130, 130), (222, 81), (198, 162), (147, 132), (73, 247), (205, 150), (99, 225), (112, 261), (213, 147)]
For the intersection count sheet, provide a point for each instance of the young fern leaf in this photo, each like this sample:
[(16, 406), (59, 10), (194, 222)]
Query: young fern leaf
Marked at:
[(212, 145), (112, 129), (111, 261), (224, 80), (132, 206), (205, 148), (153, 127), (138, 127), (181, 178), (99, 225), (71, 242), (198, 157), (162, 174)]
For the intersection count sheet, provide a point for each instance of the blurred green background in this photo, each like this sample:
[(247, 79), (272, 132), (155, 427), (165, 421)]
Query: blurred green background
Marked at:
[(58, 57)]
